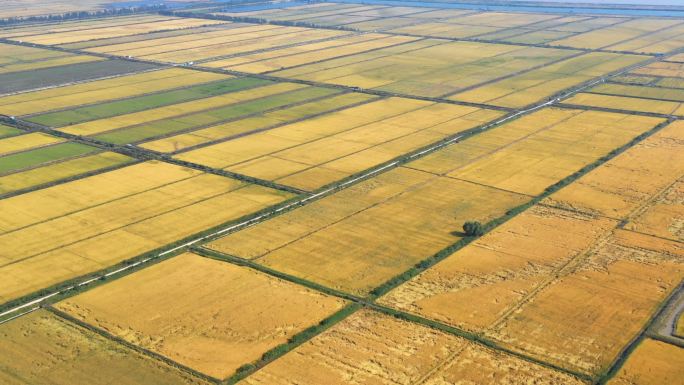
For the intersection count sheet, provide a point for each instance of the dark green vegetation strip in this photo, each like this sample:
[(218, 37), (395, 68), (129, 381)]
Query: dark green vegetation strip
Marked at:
[(211, 117), (6, 132), (292, 343), (54, 76), (42, 155), (141, 103)]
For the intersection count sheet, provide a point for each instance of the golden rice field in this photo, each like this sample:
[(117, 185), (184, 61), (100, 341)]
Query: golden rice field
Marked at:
[(652, 363), (202, 306), (324, 149), (115, 30), (628, 182), (360, 237), (44, 348), (24, 142), (201, 198), (144, 206), (398, 352)]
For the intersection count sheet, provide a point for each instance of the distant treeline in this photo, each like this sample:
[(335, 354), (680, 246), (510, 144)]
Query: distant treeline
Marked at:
[(82, 14)]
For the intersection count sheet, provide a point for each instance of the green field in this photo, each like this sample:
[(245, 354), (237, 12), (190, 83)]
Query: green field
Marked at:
[(6, 132), (42, 155), (141, 103), (206, 118)]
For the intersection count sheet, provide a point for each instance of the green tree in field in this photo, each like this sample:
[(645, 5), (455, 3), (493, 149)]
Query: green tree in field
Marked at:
[(473, 229)]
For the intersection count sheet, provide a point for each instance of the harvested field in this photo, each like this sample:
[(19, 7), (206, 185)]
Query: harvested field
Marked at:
[(318, 151), (680, 326), (360, 237), (144, 206), (202, 306), (664, 69), (583, 320), (652, 363), (629, 181), (100, 91), (427, 67), (66, 74), (664, 216), (372, 348), (14, 58), (42, 348), (532, 284), (479, 284)]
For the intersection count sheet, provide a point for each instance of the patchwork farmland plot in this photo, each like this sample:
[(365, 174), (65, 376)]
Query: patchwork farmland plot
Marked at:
[(142, 206), (324, 149), (277, 193), (372, 348), (43, 347), (197, 295), (652, 363)]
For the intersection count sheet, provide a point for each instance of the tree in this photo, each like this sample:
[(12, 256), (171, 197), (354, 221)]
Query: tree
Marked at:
[(473, 229)]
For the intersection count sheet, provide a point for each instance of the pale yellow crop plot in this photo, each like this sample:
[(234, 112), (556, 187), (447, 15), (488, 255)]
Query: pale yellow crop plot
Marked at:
[(448, 30), (665, 69), (18, 31), (501, 19), (564, 141), (627, 103), (239, 32), (360, 237), (473, 288), (53, 172), (62, 61), (372, 348), (201, 306), (26, 142), (324, 149), (298, 10), (263, 121), (583, 320), (533, 86), (68, 230), (303, 54), (136, 118), (116, 31), (659, 42), (428, 67), (638, 91), (42, 348), (617, 33), (630, 180), (248, 43), (103, 90), (652, 363)]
